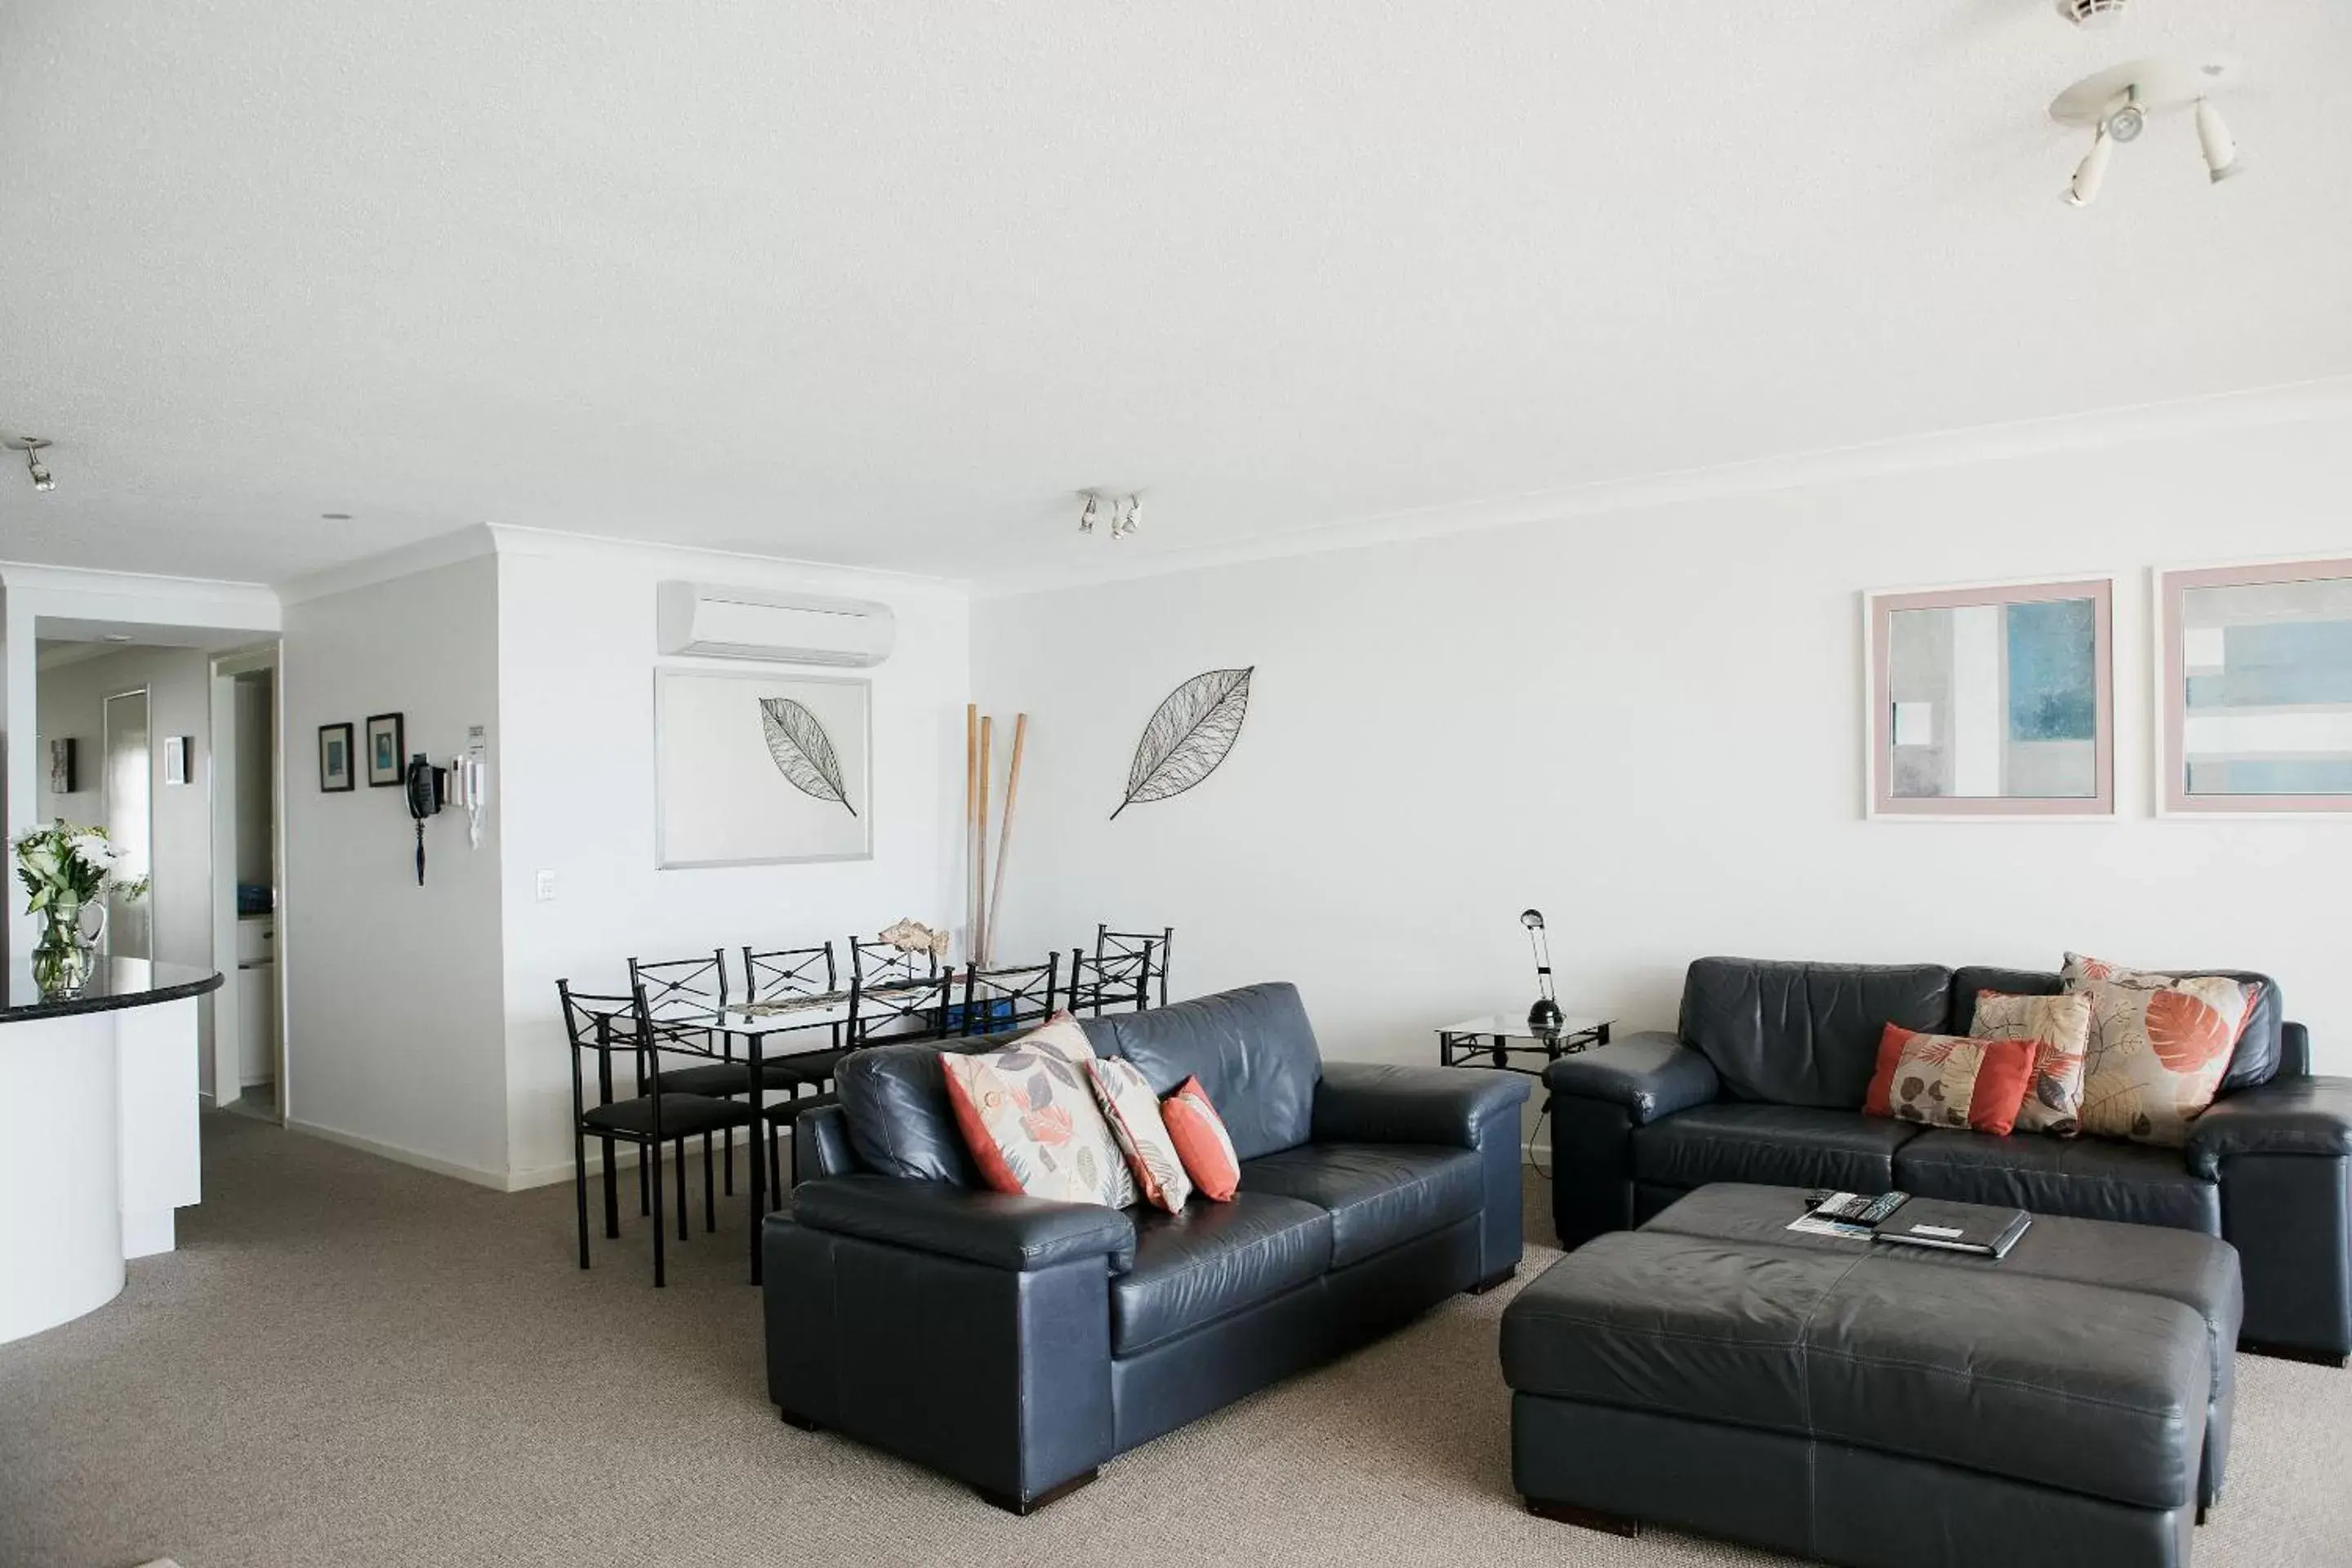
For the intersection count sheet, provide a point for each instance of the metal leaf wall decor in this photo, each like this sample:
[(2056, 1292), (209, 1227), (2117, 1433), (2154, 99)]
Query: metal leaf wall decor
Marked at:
[(803, 752), (1190, 734)]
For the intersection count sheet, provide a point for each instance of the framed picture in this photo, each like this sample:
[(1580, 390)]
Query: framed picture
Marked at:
[(2254, 687), (335, 772), (176, 758), (1990, 701), (755, 769), (388, 750), (65, 778)]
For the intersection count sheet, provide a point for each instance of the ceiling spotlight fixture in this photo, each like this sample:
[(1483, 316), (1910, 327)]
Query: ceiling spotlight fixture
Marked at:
[(2091, 12), (32, 445), (2092, 171), (2220, 147), (2127, 122), (2115, 104), (1125, 513)]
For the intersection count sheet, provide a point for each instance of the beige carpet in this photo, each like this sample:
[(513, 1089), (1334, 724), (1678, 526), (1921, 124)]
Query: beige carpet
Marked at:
[(353, 1362)]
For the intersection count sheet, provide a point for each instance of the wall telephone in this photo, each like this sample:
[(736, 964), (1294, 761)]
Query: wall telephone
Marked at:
[(424, 789)]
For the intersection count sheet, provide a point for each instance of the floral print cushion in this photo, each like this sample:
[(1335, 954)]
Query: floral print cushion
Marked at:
[(2160, 1044), (1133, 1112), (2060, 1028), (1027, 1113), (1949, 1080)]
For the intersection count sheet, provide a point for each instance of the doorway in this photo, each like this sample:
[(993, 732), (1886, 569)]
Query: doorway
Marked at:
[(249, 1038), (129, 821)]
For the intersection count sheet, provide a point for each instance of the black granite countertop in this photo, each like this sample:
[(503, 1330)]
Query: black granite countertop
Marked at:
[(115, 983)]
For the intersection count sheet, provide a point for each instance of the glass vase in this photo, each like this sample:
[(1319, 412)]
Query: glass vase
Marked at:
[(61, 960)]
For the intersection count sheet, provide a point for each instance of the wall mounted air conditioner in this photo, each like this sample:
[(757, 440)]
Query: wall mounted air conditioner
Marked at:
[(711, 621)]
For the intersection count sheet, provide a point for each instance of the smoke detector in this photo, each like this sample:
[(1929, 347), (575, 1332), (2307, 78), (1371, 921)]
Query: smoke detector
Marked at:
[(2091, 12)]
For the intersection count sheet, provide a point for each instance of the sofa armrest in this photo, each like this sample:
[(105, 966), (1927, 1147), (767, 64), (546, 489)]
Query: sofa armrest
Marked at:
[(2286, 1116), (2294, 1050), (1651, 1075), (1370, 1102), (992, 1228)]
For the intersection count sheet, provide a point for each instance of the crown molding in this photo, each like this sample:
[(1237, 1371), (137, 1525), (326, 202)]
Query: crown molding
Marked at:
[(2327, 398), (85, 593), (685, 558), (405, 561)]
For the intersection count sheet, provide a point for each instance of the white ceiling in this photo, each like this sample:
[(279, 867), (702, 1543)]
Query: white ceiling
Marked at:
[(882, 281)]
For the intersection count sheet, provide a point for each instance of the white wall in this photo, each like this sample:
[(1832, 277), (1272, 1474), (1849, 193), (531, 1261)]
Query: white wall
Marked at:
[(179, 702), (575, 775), (1647, 724), (393, 992)]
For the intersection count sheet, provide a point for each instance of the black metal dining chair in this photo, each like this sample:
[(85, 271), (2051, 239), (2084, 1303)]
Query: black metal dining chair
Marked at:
[(1121, 955), (1013, 997), (1094, 984), (895, 996), (681, 992), (646, 1121)]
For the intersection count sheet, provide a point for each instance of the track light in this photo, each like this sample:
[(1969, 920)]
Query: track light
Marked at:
[(2220, 148), (2092, 171), (31, 447), (1125, 513), (2128, 121)]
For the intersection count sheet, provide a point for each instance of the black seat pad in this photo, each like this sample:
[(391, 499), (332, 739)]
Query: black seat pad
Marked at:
[(1773, 1145), (2087, 1178), (682, 1116), (1378, 1194), (1213, 1259), (2080, 1387), (722, 1079)]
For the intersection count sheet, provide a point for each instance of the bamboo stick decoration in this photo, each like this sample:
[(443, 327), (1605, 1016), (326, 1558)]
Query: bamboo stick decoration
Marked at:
[(981, 934), (1004, 834), (971, 827)]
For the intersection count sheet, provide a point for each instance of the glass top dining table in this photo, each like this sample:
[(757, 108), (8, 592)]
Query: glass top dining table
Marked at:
[(754, 1023)]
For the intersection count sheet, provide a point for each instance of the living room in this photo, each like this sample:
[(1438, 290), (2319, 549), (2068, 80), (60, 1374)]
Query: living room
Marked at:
[(1391, 472)]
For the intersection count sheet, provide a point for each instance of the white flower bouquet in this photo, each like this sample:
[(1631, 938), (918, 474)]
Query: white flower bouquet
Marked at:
[(64, 870)]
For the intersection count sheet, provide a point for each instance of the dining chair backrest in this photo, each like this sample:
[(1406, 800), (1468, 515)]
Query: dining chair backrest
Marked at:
[(690, 982), (878, 963), (1094, 984), (1012, 998), (896, 1009), (602, 1025), (782, 971), (1124, 953)]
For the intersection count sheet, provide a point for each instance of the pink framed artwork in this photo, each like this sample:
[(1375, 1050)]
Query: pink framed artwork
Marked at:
[(1991, 701), (2254, 671)]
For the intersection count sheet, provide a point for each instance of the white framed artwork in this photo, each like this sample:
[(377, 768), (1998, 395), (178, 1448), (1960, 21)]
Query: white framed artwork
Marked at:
[(755, 768), (2253, 670), (1989, 702)]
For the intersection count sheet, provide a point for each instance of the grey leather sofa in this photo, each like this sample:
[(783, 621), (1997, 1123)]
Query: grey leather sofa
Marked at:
[(1016, 1343), (1761, 1081)]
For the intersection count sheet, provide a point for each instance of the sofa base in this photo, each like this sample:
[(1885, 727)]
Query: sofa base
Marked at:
[(1492, 1281), (1052, 1494), (797, 1421), (1585, 1518), (1804, 1498)]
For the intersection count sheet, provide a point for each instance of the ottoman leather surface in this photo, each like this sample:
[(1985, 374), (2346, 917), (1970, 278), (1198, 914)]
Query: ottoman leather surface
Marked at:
[(2084, 1362)]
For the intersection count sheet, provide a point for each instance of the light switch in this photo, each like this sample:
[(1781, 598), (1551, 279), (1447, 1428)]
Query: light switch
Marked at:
[(546, 886)]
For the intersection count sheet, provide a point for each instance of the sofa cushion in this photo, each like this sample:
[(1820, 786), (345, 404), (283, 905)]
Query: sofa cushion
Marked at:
[(2262, 1049), (1030, 1120), (895, 1100), (1805, 1034), (1776, 1145), (1252, 1049), (1213, 1260), (1379, 1195), (2088, 1178), (2060, 1028), (2160, 1045), (1949, 1080)]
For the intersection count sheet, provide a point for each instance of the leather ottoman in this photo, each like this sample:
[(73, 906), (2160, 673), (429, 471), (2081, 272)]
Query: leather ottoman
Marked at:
[(1882, 1406)]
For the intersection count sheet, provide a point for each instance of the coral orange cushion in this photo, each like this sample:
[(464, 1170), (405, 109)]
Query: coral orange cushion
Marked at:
[(1951, 1080), (1201, 1142)]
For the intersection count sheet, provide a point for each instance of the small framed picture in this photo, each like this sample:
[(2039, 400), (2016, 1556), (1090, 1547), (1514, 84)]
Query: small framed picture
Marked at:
[(176, 758), (388, 750), (335, 758), (63, 777)]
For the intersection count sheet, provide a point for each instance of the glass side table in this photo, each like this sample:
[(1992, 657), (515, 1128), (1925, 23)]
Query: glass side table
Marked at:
[(1505, 1039)]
